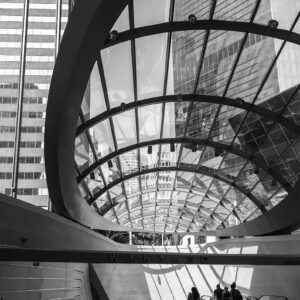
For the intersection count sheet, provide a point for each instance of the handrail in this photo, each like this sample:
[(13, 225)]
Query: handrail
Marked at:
[(276, 297), (209, 297)]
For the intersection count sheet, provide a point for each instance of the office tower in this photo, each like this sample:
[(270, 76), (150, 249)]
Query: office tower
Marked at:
[(30, 32)]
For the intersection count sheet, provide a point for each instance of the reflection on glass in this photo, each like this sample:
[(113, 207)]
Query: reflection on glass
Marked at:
[(125, 130), (97, 102), (122, 23), (83, 153), (150, 60), (117, 66), (102, 138), (150, 12), (150, 122)]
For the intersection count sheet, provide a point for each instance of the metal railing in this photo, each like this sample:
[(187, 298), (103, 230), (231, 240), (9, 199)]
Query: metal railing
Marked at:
[(263, 297)]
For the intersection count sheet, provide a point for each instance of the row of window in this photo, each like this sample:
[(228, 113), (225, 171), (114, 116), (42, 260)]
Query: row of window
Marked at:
[(22, 175), (29, 45), (22, 159), (25, 114), (24, 129), (27, 72), (28, 191), (27, 86), (23, 144), (11, 5), (18, 31), (26, 100), (30, 159), (39, 19)]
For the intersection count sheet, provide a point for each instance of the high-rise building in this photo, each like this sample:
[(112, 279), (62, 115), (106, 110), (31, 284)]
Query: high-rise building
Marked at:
[(30, 32)]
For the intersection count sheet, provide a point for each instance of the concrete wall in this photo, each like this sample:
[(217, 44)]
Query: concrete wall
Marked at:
[(42, 229), (23, 280), (175, 281)]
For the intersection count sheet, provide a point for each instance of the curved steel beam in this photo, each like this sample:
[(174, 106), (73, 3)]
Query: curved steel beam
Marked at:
[(244, 27), (246, 155), (202, 170), (197, 99)]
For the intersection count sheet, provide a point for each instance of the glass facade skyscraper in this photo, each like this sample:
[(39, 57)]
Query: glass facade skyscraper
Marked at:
[(30, 32)]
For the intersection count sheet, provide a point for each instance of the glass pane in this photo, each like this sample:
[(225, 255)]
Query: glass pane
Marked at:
[(125, 129), (97, 102), (184, 8), (149, 159), (83, 153), (150, 12), (221, 51), (283, 11), (189, 158), (129, 162), (122, 23), (117, 66), (150, 60), (168, 158), (102, 138), (234, 10), (150, 122)]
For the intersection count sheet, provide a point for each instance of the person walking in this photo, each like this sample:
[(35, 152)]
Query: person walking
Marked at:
[(218, 293), (195, 293), (226, 294), (235, 293)]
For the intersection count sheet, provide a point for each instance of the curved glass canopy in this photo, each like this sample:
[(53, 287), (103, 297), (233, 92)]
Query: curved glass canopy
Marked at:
[(189, 126)]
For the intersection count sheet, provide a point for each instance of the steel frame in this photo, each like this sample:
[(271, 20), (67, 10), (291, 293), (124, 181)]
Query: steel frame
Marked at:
[(64, 124), (196, 98), (234, 150), (202, 170)]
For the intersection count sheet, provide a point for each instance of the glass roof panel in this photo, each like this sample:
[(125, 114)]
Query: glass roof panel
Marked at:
[(96, 102), (122, 23), (150, 12), (150, 122), (117, 67), (94, 182), (234, 10), (277, 10), (232, 220), (149, 159), (110, 173), (183, 8), (150, 64), (190, 156), (292, 111), (175, 118), (167, 157), (220, 53), (184, 180), (83, 152), (185, 64), (102, 138), (244, 208), (129, 162), (125, 129)]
